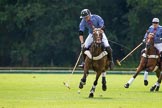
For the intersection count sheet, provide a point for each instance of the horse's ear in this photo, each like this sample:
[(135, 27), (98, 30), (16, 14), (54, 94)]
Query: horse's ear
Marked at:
[(102, 31), (95, 29), (151, 34)]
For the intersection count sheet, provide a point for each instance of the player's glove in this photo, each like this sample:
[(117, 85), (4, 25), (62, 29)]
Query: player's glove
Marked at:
[(144, 40), (82, 46)]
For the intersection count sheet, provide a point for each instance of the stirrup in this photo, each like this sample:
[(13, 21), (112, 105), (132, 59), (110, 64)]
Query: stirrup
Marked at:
[(81, 65), (111, 65)]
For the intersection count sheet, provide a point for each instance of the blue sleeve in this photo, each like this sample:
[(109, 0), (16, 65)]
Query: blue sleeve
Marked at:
[(161, 33), (145, 35), (148, 31), (101, 21), (82, 25)]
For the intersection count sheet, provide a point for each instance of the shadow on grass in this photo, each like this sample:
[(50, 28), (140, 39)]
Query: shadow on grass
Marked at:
[(98, 98), (152, 92)]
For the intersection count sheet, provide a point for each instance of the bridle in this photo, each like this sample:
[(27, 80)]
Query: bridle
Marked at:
[(97, 36), (150, 41), (97, 41)]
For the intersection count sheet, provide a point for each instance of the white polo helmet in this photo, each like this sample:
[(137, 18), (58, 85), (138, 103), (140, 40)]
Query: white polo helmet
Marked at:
[(156, 20)]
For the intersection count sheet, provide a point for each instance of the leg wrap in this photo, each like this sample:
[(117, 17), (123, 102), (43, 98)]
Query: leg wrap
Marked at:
[(109, 50)]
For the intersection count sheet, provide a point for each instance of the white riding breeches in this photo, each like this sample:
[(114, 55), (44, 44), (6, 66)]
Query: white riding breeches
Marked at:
[(89, 40), (158, 46)]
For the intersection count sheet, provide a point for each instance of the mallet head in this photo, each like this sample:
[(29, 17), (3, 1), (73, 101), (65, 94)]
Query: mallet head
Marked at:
[(118, 62), (66, 84)]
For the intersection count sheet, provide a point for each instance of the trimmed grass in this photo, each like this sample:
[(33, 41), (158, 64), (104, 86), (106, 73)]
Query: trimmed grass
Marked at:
[(48, 91)]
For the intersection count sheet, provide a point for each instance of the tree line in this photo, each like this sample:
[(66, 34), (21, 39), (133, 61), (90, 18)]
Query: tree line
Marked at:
[(45, 32)]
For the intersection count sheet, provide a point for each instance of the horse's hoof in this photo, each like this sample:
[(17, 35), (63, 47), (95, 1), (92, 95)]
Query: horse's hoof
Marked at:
[(152, 88), (104, 87), (91, 95), (80, 85), (126, 85), (145, 82), (157, 88)]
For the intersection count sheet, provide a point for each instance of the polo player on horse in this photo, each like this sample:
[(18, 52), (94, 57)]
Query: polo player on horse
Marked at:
[(92, 21), (151, 59), (156, 29)]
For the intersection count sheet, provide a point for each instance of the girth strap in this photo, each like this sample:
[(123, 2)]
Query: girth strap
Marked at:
[(88, 53), (150, 56)]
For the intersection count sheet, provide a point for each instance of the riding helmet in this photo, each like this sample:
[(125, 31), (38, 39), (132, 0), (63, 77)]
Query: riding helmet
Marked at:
[(84, 13)]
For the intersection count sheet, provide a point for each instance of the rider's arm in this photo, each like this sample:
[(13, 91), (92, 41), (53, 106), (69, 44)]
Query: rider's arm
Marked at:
[(145, 36), (81, 37), (147, 32), (81, 30), (100, 22)]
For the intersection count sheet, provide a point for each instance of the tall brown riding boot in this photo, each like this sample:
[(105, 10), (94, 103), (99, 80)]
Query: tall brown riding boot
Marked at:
[(109, 50), (161, 61)]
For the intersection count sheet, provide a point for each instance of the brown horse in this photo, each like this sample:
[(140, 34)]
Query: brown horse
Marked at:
[(150, 60), (96, 59)]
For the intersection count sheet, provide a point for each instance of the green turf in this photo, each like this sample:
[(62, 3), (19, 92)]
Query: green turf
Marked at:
[(48, 91)]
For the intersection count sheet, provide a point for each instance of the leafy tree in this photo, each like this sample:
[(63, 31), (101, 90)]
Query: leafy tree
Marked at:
[(45, 32), (140, 16)]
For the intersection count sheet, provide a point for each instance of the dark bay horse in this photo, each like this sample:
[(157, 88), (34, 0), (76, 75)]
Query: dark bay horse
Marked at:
[(150, 60), (96, 59)]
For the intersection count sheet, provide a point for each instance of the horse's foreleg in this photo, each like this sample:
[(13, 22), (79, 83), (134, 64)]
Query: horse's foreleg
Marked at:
[(94, 85), (146, 74), (132, 79), (104, 87), (145, 78), (83, 80), (156, 86)]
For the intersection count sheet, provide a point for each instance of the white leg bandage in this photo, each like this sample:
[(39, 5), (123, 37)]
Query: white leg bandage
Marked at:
[(104, 74), (93, 86), (145, 75), (157, 84), (130, 81)]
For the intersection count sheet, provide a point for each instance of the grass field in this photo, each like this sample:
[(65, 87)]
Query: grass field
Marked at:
[(48, 91)]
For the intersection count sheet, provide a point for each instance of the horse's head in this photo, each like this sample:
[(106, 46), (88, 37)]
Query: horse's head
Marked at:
[(97, 45), (150, 40), (97, 35)]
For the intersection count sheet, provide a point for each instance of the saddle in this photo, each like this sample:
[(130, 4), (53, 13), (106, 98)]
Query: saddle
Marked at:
[(153, 56)]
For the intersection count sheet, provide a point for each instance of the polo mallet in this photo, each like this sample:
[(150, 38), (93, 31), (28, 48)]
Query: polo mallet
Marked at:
[(67, 83), (119, 62)]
